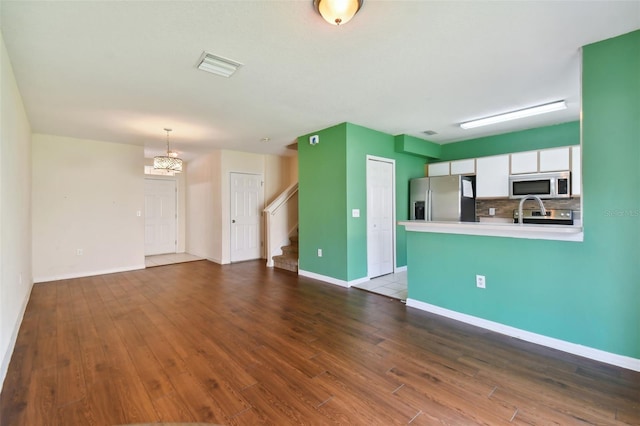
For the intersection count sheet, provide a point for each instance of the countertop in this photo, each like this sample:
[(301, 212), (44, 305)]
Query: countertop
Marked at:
[(496, 229)]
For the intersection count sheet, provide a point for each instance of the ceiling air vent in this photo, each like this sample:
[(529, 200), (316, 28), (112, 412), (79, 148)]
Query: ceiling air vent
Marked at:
[(218, 65), (430, 132)]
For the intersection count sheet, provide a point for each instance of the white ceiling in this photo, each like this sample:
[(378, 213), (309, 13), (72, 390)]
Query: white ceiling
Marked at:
[(121, 71)]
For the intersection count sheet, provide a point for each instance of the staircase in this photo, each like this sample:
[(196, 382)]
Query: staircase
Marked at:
[(289, 258)]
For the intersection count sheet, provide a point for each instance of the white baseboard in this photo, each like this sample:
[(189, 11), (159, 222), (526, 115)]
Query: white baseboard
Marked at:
[(87, 274), (324, 278), (331, 280), (336, 281), (6, 357), (561, 345), (401, 268)]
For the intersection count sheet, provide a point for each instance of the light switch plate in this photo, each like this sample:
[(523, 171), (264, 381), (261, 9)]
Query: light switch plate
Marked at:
[(355, 213)]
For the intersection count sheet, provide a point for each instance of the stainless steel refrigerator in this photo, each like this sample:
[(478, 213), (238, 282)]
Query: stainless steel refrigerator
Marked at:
[(443, 198)]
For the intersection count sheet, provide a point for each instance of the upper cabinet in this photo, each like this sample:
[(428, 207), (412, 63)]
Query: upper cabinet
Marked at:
[(553, 160), (458, 167), (463, 167), (524, 162), (546, 160), (492, 176), (438, 169)]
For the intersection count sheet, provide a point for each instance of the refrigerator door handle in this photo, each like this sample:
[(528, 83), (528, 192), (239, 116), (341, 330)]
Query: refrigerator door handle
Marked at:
[(429, 206)]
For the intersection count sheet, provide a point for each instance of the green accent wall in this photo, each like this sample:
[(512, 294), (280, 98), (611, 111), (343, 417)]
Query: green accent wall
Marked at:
[(416, 146), (565, 134), (587, 292), (322, 202), (332, 182)]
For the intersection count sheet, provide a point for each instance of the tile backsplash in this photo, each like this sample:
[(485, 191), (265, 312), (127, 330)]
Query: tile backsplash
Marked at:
[(505, 206)]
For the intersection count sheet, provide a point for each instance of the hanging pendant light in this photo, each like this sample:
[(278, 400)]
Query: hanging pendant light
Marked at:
[(169, 162), (337, 12)]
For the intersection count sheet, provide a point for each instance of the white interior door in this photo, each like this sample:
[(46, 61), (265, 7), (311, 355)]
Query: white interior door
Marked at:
[(380, 216), (246, 204), (160, 216)]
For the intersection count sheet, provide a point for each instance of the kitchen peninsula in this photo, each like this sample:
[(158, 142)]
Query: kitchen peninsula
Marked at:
[(536, 232)]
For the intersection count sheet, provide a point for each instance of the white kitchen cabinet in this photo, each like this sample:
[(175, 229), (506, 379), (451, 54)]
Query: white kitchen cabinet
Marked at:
[(524, 162), (556, 159), (576, 170), (439, 169), (492, 176), (463, 167)]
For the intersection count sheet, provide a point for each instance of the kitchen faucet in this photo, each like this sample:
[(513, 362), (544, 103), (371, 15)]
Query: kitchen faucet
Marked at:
[(543, 211)]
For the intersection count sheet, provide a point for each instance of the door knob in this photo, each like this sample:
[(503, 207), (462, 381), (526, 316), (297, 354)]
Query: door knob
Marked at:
[(233, 221)]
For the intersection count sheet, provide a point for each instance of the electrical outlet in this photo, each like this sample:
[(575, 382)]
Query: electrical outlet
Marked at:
[(79, 252), (492, 211), (319, 252), (481, 281)]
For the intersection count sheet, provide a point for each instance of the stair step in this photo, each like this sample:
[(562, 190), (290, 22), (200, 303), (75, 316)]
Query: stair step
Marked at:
[(293, 239), (286, 261), (290, 249)]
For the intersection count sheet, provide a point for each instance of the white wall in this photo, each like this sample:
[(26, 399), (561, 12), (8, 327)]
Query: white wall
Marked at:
[(15, 211), (86, 195), (201, 221), (208, 196)]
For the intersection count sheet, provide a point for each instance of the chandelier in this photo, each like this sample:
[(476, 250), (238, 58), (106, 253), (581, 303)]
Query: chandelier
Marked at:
[(169, 162)]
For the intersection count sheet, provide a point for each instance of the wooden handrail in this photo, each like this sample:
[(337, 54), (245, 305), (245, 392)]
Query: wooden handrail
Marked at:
[(282, 199)]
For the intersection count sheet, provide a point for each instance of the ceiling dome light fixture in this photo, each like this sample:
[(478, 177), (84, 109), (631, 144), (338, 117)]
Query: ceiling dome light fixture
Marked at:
[(169, 162), (337, 12)]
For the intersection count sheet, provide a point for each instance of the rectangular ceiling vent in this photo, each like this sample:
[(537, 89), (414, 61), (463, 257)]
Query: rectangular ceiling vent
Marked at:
[(218, 65)]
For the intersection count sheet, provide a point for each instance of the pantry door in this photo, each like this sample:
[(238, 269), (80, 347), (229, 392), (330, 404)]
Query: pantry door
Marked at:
[(380, 216)]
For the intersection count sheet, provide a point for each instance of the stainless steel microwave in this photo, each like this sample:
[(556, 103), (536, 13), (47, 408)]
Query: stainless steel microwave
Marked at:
[(544, 185)]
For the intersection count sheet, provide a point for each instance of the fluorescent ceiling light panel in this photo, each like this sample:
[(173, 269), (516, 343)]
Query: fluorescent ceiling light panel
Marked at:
[(527, 112), (218, 65)]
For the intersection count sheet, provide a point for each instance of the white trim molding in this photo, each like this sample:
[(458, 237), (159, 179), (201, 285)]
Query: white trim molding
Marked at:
[(87, 274), (400, 269), (331, 280), (561, 345), (6, 359)]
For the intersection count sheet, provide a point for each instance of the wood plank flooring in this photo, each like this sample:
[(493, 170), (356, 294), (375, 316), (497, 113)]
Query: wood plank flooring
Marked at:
[(243, 345)]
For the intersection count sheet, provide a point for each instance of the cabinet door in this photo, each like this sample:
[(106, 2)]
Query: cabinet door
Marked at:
[(552, 160), (576, 170), (524, 162), (463, 167), (492, 176), (439, 169)]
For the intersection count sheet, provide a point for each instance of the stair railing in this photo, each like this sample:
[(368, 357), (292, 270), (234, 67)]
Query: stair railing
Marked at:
[(281, 219)]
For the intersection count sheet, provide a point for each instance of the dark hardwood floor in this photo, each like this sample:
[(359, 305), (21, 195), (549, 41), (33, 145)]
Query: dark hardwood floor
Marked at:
[(244, 344)]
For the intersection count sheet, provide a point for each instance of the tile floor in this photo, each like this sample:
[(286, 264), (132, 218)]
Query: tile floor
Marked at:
[(169, 259), (392, 285)]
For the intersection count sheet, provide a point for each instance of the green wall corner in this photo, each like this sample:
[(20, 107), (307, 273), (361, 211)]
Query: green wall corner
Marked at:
[(332, 182), (322, 201)]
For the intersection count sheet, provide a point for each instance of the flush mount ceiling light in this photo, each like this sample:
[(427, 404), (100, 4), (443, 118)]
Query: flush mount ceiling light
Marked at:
[(169, 162), (218, 65), (527, 112), (337, 12)]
